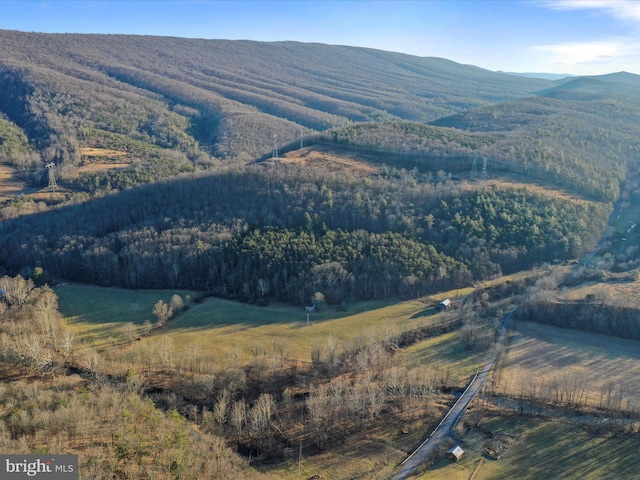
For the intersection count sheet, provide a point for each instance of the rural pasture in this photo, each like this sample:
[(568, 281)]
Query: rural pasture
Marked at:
[(96, 315), (590, 363), (535, 448), (229, 331), (595, 371)]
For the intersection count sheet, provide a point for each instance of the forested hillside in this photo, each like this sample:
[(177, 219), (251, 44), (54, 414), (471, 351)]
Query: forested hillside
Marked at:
[(295, 231), (585, 146), (193, 101), (116, 112)]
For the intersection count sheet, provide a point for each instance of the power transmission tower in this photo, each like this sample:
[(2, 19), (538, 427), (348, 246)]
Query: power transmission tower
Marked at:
[(474, 168), (483, 176), (275, 146), (52, 176), (301, 138)]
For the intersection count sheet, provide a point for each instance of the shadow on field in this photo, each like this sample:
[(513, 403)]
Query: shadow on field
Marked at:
[(227, 313), (427, 312)]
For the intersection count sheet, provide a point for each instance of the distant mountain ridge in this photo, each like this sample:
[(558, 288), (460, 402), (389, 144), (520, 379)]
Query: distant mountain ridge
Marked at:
[(539, 75), (227, 91), (111, 112)]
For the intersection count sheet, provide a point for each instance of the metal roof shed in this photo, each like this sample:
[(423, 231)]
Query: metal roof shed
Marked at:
[(455, 453)]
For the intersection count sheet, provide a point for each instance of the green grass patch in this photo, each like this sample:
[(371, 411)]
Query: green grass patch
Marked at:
[(96, 314), (549, 449), (446, 352), (232, 328), (228, 329)]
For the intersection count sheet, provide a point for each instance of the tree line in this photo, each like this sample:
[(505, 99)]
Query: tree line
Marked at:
[(299, 231)]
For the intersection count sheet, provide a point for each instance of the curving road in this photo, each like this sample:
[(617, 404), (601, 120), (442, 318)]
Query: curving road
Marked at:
[(443, 430)]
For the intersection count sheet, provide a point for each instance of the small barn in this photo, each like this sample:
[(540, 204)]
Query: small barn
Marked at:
[(444, 305), (454, 453)]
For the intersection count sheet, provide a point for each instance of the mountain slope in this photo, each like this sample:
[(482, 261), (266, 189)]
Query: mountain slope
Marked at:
[(230, 97)]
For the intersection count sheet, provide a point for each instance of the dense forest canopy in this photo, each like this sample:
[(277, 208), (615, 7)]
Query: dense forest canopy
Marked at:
[(303, 231), (191, 193)]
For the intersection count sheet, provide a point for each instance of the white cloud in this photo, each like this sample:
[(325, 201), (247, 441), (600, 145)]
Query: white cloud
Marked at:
[(619, 51), (573, 53), (590, 58), (621, 9)]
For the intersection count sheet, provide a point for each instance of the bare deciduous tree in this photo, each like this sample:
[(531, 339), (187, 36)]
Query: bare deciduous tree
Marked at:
[(162, 312), (221, 409), (261, 414), (130, 332), (263, 287), (16, 290), (239, 416)]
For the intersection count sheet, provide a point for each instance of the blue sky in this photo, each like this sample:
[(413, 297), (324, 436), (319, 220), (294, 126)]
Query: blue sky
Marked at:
[(585, 37)]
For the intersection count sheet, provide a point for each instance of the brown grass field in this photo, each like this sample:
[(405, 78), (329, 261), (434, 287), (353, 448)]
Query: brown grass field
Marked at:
[(10, 185), (547, 353), (543, 447), (101, 152), (328, 160)]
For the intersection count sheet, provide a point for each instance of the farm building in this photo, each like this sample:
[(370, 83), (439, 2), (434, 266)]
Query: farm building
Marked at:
[(455, 453), (444, 305)]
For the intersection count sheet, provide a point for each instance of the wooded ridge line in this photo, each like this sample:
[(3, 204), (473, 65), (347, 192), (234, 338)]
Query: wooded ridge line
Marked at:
[(209, 109)]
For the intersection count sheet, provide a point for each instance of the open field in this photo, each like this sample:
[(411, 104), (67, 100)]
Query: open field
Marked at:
[(613, 292), (232, 330), (511, 180), (329, 160), (92, 152), (226, 327), (10, 185), (100, 167), (448, 353), (96, 160), (539, 448), (96, 314), (550, 354)]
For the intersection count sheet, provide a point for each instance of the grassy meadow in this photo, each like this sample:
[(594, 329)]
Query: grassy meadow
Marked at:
[(539, 448), (227, 328), (96, 315), (531, 447), (549, 354)]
